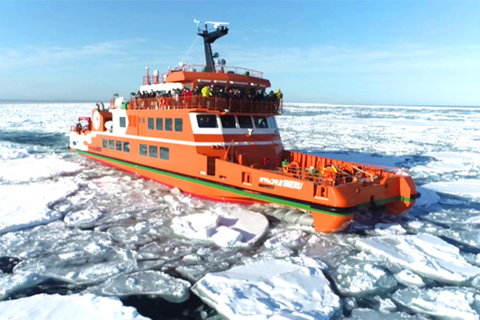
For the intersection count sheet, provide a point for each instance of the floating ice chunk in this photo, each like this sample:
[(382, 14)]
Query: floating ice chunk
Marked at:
[(228, 227), (31, 168), (196, 226), (10, 150), (291, 239), (83, 218), (276, 289), (11, 283), (369, 314), (154, 283), (387, 229), (424, 254), (409, 279), (252, 225), (469, 188), (226, 237), (91, 264), (428, 198), (362, 278), (26, 206), (72, 307), (444, 303)]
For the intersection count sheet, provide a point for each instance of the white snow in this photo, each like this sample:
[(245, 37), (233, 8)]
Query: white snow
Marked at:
[(409, 279), (271, 289), (225, 226), (32, 168), (72, 307), (462, 187), (424, 254), (444, 303), (26, 206)]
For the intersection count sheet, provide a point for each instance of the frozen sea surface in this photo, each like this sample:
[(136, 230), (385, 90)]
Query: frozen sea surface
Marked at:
[(106, 240)]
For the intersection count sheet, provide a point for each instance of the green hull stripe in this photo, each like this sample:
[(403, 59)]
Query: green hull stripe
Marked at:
[(233, 190)]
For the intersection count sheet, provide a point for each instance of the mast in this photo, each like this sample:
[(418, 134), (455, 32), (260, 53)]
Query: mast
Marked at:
[(209, 38)]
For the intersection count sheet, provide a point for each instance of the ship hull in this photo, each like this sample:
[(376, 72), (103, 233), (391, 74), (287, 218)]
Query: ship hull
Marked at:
[(326, 219)]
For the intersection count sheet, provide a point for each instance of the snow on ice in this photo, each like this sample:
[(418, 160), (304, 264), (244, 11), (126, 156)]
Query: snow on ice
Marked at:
[(424, 254), (235, 227), (276, 289), (29, 205), (72, 307)]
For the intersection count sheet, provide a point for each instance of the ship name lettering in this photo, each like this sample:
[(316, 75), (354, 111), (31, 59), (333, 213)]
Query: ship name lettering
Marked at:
[(282, 183)]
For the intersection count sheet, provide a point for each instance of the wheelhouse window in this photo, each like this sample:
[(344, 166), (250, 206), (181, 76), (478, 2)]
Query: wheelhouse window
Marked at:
[(118, 145), (272, 123), (153, 151), (111, 144), (143, 150), (260, 122), (105, 143), (245, 122), (150, 124), (168, 124), (207, 121), (178, 125), (159, 124), (164, 153), (123, 122), (126, 147), (228, 122)]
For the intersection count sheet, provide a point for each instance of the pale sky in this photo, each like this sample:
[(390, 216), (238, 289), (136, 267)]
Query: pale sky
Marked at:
[(345, 52)]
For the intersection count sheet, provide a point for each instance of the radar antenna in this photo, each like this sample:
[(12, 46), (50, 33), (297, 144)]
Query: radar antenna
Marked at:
[(209, 38)]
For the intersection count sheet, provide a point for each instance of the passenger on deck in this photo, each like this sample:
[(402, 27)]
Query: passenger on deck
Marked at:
[(206, 92), (279, 94)]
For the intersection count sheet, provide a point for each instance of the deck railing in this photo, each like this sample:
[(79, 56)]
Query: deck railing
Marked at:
[(152, 79), (208, 103)]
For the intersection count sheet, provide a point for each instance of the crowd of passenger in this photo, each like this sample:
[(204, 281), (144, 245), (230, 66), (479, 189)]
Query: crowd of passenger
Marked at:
[(214, 91)]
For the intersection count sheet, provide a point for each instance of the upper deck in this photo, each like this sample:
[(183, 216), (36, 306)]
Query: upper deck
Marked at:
[(207, 104)]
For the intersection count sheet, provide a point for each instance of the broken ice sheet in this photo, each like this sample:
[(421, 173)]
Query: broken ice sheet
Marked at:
[(362, 278), (153, 283), (91, 264), (293, 288), (424, 254), (445, 303)]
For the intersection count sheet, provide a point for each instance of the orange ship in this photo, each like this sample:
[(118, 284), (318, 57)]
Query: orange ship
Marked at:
[(210, 131)]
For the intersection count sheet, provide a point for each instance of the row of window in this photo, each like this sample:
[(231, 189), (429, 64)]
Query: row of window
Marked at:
[(152, 152), (116, 145), (157, 124), (228, 121)]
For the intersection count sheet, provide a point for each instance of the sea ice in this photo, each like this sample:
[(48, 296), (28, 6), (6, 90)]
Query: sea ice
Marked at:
[(409, 279), (152, 283), (369, 314), (29, 205), (34, 168), (271, 289), (11, 283), (444, 303), (225, 226), (93, 263), (424, 254), (469, 188), (72, 307), (362, 278)]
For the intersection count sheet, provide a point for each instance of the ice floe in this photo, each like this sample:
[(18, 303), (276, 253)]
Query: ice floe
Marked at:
[(34, 168), (271, 289), (28, 205), (424, 254), (72, 307), (152, 283), (443, 303), (462, 187), (362, 278), (232, 227)]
